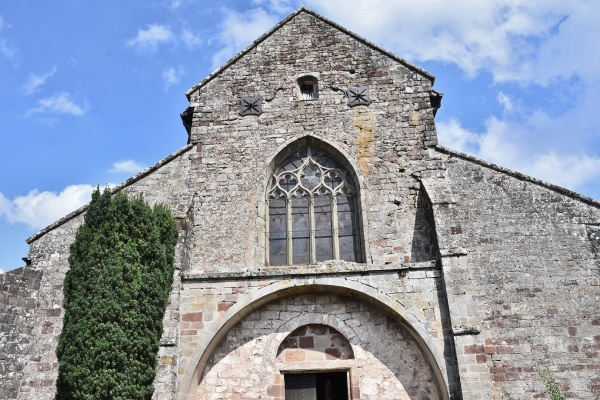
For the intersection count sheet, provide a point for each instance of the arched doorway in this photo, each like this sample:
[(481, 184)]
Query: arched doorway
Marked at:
[(315, 339)]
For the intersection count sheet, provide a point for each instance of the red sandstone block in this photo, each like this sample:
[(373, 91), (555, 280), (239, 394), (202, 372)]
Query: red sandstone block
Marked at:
[(294, 355), (192, 317), (189, 332), (480, 358), (275, 390), (47, 330), (512, 377), (489, 349), (355, 393), (473, 349), (504, 349), (224, 305)]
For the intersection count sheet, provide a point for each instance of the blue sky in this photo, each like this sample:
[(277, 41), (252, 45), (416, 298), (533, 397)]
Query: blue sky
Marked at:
[(91, 92)]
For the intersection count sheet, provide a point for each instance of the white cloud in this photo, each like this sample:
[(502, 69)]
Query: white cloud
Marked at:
[(154, 35), (35, 81), (502, 143), (7, 49), (515, 40), (239, 30), (505, 101), (151, 37), (190, 39), (172, 76), (176, 4), (39, 209), (278, 6), (127, 166), (59, 104)]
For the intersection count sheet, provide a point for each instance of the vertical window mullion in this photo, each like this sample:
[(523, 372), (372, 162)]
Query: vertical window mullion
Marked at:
[(288, 225), (334, 225), (311, 219), (357, 232), (267, 235)]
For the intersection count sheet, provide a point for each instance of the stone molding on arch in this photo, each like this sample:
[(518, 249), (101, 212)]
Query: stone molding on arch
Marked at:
[(194, 369), (286, 149)]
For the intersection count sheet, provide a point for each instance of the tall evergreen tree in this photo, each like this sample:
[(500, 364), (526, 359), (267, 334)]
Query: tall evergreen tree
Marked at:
[(116, 293)]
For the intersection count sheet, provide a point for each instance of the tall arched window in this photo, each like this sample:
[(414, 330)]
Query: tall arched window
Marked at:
[(312, 211)]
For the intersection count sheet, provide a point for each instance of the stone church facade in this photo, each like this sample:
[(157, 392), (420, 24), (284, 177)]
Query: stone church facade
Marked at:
[(330, 248)]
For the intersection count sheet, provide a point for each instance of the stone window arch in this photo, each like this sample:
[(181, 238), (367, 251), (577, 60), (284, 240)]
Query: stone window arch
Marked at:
[(308, 87), (312, 207)]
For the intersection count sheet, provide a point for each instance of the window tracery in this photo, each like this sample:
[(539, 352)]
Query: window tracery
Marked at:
[(312, 209)]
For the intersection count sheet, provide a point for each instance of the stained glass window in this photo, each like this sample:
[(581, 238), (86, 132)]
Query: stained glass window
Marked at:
[(312, 211)]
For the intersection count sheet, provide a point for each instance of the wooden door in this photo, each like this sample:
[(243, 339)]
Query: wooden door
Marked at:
[(300, 387)]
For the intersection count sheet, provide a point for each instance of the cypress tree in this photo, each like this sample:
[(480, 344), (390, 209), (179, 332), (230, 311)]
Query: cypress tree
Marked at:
[(116, 293)]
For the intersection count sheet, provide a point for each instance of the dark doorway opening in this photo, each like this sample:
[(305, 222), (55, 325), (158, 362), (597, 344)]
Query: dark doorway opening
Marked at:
[(317, 386)]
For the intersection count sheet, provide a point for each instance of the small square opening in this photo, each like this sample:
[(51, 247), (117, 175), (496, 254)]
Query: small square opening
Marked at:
[(308, 87)]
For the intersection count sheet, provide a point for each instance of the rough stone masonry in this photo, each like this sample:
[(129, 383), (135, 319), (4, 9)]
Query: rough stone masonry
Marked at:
[(427, 273)]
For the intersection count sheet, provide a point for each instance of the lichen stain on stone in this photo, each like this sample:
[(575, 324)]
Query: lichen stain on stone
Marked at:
[(365, 123), (414, 118)]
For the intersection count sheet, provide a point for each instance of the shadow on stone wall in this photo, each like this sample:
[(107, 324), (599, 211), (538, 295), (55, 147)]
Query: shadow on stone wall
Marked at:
[(18, 301), (424, 243)]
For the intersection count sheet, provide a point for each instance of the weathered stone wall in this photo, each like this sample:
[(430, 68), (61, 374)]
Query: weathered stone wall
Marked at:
[(18, 303), (49, 253), (411, 294), (386, 362), (521, 276), (49, 257), (384, 142)]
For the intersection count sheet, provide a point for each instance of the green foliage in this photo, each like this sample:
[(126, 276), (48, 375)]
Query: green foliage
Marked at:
[(506, 394), (116, 293), (551, 385)]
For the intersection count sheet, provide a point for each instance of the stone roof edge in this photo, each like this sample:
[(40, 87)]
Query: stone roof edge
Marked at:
[(520, 176), (285, 21), (114, 190)]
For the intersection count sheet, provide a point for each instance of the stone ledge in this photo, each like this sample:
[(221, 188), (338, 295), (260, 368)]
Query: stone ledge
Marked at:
[(315, 366), (335, 267)]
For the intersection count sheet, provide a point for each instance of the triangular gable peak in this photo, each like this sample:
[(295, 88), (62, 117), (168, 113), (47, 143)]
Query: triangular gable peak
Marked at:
[(323, 19)]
